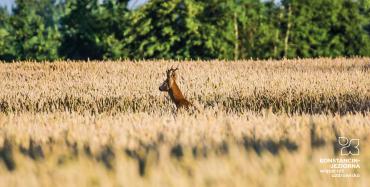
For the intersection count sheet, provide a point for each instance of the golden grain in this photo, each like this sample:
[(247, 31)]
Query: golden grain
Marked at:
[(264, 123)]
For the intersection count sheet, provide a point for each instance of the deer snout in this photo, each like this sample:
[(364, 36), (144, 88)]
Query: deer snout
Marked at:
[(164, 87), (161, 88)]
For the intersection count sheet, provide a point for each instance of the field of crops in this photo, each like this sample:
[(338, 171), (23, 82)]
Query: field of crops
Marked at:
[(262, 123)]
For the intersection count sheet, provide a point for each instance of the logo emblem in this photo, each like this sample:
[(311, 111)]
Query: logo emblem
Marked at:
[(349, 146)]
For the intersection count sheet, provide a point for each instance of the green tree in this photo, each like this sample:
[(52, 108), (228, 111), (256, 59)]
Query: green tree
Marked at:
[(259, 29), (181, 29), (114, 14), (329, 28), (7, 49), (35, 30), (80, 29), (164, 29), (93, 30), (217, 29), (351, 27), (184, 29)]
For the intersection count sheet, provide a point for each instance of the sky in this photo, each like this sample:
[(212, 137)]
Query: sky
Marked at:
[(9, 3)]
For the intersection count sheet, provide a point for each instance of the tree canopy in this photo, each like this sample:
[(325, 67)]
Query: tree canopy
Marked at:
[(184, 29)]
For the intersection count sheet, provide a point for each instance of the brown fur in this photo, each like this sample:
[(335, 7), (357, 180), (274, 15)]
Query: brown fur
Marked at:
[(169, 85)]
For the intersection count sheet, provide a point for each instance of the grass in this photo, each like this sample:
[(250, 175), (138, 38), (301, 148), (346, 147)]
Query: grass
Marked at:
[(264, 123), (295, 86)]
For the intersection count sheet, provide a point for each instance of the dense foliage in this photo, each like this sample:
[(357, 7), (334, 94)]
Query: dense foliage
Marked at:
[(184, 29)]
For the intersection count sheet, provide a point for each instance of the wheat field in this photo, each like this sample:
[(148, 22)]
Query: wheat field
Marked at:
[(262, 123)]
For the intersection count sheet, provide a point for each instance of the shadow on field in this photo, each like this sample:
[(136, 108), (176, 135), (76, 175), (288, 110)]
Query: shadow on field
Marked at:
[(273, 147), (146, 154), (6, 155), (106, 154)]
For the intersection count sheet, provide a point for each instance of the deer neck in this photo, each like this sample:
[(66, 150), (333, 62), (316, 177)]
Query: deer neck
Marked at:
[(175, 94)]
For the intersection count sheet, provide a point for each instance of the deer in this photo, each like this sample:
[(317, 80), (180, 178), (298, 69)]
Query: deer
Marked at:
[(169, 85)]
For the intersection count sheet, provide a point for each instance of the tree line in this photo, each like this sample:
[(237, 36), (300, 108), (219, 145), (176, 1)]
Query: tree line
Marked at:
[(184, 29)]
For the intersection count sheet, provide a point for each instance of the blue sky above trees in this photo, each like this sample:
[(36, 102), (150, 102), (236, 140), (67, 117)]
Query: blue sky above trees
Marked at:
[(132, 3), (10, 3), (7, 3)]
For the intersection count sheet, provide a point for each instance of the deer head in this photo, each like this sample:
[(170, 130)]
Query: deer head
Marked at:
[(169, 81)]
